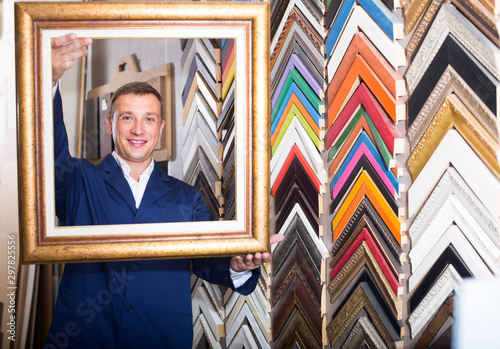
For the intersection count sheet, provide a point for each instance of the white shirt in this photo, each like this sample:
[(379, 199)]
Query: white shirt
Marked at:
[(138, 187)]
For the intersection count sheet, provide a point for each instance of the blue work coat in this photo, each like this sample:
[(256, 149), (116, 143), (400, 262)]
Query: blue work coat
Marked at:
[(136, 304)]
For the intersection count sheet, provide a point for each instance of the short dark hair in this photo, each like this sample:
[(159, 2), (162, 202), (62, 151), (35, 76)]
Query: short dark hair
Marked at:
[(135, 88)]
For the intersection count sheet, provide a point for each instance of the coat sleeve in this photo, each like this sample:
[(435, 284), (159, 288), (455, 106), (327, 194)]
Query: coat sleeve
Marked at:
[(216, 270), (65, 168)]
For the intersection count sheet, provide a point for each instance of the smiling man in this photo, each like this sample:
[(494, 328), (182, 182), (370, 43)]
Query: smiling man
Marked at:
[(136, 123), (129, 304)]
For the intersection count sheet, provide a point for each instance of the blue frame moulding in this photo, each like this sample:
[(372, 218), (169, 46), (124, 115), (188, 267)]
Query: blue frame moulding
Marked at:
[(313, 112), (364, 139), (374, 8)]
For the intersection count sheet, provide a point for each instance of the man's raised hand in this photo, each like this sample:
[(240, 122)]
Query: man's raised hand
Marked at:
[(65, 49)]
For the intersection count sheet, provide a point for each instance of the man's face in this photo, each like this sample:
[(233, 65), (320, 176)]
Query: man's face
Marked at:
[(136, 127)]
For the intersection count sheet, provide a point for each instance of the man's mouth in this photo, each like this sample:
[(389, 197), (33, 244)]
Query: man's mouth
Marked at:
[(137, 142)]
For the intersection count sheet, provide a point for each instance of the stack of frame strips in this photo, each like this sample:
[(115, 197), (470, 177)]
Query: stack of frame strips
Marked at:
[(222, 318), (365, 111), (453, 79), (202, 165), (374, 260), (298, 176)]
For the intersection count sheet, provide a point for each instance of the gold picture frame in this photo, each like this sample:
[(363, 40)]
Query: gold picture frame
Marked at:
[(42, 241)]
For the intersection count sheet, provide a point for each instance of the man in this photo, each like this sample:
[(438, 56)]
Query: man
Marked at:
[(139, 304)]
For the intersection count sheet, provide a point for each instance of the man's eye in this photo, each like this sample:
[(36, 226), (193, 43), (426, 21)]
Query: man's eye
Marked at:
[(150, 119), (126, 117)]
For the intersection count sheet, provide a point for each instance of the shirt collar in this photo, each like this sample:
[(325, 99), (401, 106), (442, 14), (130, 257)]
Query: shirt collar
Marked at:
[(126, 168)]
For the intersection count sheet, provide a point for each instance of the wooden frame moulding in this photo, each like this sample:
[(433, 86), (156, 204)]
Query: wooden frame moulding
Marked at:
[(388, 22), (337, 264), (363, 256), (365, 276), (433, 327), (363, 332), (199, 84), (298, 292), (296, 134), (35, 23), (296, 25), (296, 197), (361, 71), (451, 83), (413, 10), (360, 122), (297, 212), (343, 187), (474, 12), (443, 18), (362, 46), (364, 186), (363, 97), (449, 21), (485, 85), (452, 236), (295, 109), (297, 236), (365, 216), (454, 151), (297, 47), (453, 114), (298, 12), (361, 21), (295, 62), (446, 284), (363, 145), (295, 83), (450, 256), (296, 330), (361, 298), (454, 212), (297, 176), (452, 195), (366, 227)]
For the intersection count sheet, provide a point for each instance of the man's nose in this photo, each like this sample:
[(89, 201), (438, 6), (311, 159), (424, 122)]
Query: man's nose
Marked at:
[(137, 127)]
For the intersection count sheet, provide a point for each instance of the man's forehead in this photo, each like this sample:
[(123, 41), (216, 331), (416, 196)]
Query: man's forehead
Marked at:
[(123, 99)]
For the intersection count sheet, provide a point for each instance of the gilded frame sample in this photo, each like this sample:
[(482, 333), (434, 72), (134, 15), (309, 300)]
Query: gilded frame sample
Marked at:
[(248, 24), (451, 82), (453, 114)]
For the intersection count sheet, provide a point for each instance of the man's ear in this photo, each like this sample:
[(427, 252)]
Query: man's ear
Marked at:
[(109, 124), (162, 126)]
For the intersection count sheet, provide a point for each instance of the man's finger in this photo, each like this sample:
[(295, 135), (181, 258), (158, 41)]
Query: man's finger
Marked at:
[(62, 40)]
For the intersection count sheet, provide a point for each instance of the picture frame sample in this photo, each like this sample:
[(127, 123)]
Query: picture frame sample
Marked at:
[(45, 242)]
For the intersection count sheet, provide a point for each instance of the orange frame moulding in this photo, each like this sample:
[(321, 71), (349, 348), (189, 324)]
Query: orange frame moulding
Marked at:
[(365, 186), (361, 71), (361, 45)]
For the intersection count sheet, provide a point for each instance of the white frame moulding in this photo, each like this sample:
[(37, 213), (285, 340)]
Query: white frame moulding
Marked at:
[(454, 151)]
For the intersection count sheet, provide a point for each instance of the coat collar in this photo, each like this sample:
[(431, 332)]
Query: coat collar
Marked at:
[(157, 187)]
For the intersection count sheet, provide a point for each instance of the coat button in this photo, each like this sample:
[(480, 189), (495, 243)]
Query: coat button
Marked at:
[(134, 266), (129, 308)]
